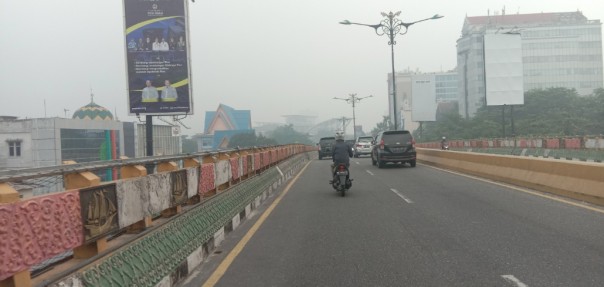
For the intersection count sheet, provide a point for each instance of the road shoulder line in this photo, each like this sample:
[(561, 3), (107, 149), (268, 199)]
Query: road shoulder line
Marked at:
[(228, 260)]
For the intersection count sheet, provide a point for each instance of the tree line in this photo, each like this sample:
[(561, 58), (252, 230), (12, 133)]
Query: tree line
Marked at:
[(282, 135), (549, 112)]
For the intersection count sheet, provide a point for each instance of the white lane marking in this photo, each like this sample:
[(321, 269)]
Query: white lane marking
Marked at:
[(369, 172), (401, 195), (513, 279), (521, 189), (357, 162)]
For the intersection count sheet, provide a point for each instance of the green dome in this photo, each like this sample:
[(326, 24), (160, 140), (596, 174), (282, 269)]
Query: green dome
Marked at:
[(93, 111)]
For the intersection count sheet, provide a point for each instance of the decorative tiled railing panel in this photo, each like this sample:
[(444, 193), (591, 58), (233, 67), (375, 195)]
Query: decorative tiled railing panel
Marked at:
[(235, 170), (36, 229), (206, 180), (223, 172), (192, 181)]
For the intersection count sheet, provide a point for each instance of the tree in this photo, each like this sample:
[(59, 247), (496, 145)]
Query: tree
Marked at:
[(243, 140), (450, 125), (385, 125), (261, 140), (554, 111), (286, 135), (189, 145), (250, 139)]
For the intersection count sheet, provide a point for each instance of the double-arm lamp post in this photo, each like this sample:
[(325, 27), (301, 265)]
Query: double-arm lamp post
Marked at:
[(353, 99), (391, 26)]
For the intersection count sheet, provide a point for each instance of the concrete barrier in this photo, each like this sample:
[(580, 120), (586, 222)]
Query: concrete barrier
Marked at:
[(578, 180)]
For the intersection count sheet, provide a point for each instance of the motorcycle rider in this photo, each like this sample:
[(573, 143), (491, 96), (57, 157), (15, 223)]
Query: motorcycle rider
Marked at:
[(443, 143), (341, 153)]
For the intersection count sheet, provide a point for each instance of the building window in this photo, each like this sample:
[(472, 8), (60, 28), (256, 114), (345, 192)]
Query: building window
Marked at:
[(14, 148)]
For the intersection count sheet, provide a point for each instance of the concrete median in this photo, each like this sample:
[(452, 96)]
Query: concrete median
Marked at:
[(578, 180)]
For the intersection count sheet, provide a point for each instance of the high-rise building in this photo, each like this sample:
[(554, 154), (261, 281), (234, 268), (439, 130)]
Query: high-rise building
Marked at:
[(446, 86), (558, 50), (446, 91)]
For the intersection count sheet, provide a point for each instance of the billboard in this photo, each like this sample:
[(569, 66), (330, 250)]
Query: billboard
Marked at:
[(423, 94), (503, 69), (157, 57)]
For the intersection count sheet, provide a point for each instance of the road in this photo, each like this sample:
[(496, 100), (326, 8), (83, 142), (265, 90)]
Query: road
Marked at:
[(403, 226)]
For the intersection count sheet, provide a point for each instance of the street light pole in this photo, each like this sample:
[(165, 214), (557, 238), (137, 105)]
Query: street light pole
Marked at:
[(391, 26), (392, 43), (353, 99)]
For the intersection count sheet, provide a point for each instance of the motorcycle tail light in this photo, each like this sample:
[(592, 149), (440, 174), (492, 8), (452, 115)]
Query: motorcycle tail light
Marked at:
[(342, 168), (382, 144)]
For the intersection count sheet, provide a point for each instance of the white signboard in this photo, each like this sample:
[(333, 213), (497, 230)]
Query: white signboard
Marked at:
[(503, 69), (423, 93)]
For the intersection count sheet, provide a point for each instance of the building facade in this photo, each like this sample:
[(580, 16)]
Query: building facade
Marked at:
[(446, 87), (221, 125), (446, 91), (558, 50), (403, 100), (91, 135), (166, 140)]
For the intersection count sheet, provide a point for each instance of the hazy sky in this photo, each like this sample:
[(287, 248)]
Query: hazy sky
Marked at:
[(274, 57)]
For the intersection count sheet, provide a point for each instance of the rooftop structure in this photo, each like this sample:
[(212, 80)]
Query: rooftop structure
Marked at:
[(558, 50)]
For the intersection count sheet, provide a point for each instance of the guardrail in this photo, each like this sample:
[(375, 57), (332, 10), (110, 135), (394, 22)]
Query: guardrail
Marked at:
[(574, 179), (589, 148), (89, 213)]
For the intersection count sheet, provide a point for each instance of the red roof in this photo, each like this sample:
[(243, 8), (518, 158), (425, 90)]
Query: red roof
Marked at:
[(515, 19)]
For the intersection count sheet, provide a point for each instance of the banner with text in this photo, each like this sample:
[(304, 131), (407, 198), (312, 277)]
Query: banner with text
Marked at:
[(157, 59)]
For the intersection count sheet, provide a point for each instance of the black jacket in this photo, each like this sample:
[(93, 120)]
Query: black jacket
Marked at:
[(341, 152)]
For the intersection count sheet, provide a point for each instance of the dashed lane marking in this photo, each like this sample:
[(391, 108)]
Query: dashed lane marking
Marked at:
[(514, 280), (369, 172), (401, 195)]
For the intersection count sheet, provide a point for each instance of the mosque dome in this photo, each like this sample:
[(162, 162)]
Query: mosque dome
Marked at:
[(93, 111)]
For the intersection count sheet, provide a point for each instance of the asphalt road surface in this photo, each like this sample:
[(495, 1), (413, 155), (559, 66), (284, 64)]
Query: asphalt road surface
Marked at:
[(403, 226)]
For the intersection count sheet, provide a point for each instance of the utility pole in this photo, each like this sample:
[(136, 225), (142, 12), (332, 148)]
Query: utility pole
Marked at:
[(353, 99)]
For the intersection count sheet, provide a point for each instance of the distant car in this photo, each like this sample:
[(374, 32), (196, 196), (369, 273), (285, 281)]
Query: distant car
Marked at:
[(393, 146), (326, 146), (362, 146)]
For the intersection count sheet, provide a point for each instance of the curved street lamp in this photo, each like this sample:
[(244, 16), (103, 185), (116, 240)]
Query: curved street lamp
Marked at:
[(391, 26), (353, 99)]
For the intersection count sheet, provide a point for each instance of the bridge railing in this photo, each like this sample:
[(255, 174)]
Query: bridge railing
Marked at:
[(87, 213), (587, 148)]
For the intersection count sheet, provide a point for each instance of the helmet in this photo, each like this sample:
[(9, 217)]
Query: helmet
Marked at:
[(444, 138), (339, 136)]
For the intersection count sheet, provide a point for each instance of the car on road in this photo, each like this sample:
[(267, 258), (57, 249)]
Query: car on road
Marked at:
[(362, 146), (350, 144), (395, 147), (326, 146)]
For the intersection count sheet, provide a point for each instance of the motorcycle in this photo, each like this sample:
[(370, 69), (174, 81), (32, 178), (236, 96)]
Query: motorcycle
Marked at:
[(341, 181)]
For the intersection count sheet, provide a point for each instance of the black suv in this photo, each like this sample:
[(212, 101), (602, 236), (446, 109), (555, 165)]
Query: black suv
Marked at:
[(325, 146), (393, 146)]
